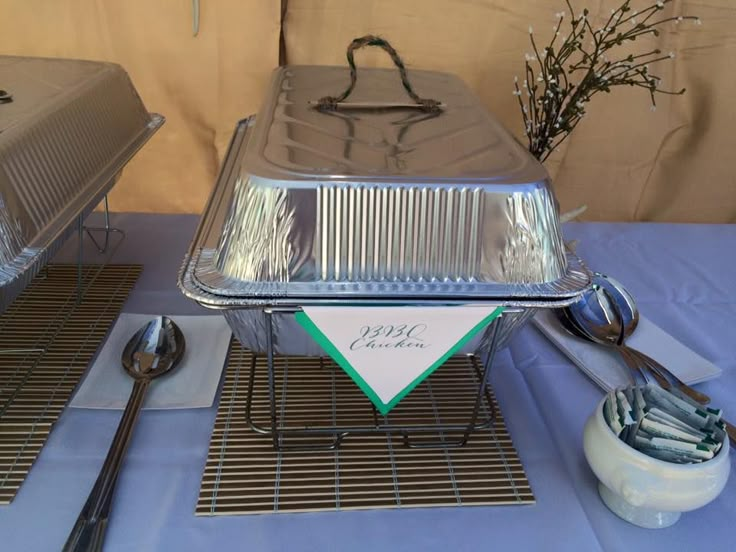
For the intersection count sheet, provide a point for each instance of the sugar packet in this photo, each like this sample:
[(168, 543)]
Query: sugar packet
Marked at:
[(692, 415), (667, 426), (610, 413)]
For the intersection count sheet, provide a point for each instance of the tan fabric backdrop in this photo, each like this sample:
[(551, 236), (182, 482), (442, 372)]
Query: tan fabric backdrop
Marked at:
[(624, 161)]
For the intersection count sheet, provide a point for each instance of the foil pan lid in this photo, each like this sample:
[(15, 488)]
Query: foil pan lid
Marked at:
[(260, 244), (296, 140), (37, 83), (69, 130)]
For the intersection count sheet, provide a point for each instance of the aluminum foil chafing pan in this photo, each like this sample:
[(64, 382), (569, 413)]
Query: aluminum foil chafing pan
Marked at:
[(65, 136), (368, 206)]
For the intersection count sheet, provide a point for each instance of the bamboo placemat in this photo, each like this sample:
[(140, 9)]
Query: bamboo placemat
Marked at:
[(47, 339), (245, 475)]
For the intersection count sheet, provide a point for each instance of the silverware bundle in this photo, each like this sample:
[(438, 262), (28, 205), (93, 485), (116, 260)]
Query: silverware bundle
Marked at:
[(607, 315)]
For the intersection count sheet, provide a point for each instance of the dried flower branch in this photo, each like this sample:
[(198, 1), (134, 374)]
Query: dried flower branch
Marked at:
[(553, 99)]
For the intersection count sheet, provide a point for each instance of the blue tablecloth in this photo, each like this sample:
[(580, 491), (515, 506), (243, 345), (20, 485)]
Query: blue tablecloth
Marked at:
[(683, 277)]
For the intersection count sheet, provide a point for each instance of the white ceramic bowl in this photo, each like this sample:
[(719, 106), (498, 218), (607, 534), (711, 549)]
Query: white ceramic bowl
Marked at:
[(645, 491)]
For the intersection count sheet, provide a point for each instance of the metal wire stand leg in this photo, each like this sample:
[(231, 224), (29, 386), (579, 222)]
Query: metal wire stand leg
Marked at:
[(483, 381), (81, 229), (271, 381), (107, 229), (277, 432), (80, 262)]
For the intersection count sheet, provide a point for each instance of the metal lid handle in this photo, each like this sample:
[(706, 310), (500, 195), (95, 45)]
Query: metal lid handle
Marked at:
[(334, 102)]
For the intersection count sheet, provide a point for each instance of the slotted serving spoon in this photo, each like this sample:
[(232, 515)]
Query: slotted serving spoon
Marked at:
[(153, 351)]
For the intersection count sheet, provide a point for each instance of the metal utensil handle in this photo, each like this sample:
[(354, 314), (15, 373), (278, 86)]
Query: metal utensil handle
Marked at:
[(631, 362), (659, 371), (89, 530), (731, 430), (662, 381), (331, 102), (655, 366)]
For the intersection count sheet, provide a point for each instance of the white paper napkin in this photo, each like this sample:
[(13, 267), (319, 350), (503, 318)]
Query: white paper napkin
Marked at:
[(605, 366), (192, 384)]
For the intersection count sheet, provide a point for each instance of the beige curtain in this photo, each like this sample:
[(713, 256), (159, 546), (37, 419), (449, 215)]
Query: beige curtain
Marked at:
[(624, 161)]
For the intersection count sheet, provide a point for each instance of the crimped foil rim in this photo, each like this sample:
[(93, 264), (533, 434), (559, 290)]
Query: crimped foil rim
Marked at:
[(192, 288)]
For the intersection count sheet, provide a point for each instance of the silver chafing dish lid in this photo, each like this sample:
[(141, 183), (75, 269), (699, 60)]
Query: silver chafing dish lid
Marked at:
[(377, 204), (69, 130), (458, 144)]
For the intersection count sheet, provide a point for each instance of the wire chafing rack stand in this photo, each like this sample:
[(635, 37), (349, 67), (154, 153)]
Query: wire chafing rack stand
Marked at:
[(278, 433), (103, 248), (107, 229)]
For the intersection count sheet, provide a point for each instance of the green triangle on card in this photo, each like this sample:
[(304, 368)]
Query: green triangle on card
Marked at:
[(388, 351)]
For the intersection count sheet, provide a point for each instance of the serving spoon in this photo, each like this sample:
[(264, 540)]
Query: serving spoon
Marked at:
[(153, 351), (598, 317), (591, 318), (628, 314)]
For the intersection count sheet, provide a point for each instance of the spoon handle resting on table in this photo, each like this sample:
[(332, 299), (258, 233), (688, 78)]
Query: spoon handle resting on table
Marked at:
[(88, 533), (662, 381), (638, 362), (631, 361), (663, 373)]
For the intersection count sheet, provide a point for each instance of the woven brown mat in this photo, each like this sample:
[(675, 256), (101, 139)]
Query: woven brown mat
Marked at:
[(245, 475), (47, 339)]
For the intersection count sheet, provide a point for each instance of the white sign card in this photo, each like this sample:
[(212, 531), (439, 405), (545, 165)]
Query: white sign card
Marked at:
[(388, 351)]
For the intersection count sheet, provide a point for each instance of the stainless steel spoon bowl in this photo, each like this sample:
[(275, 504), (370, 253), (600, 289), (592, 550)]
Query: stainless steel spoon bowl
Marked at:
[(595, 315), (595, 318), (153, 351), (608, 315), (626, 306), (622, 299)]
